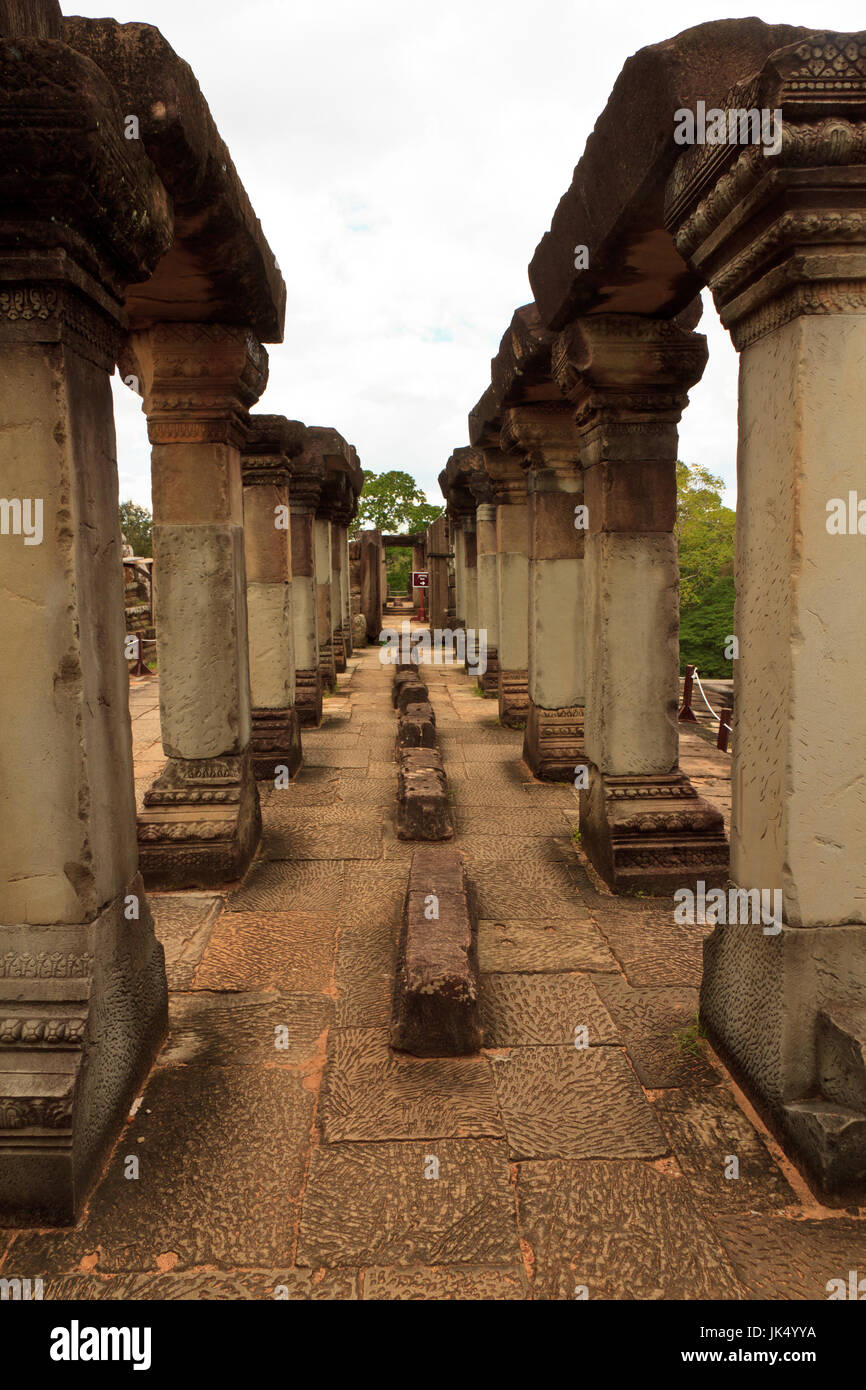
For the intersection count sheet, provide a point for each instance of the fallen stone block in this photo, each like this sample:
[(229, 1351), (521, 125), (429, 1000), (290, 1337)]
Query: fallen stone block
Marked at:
[(423, 812), (410, 693), (417, 727), (436, 1010)]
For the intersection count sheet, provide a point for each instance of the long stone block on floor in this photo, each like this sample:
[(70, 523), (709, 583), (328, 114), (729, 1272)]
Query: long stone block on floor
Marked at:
[(437, 1012)]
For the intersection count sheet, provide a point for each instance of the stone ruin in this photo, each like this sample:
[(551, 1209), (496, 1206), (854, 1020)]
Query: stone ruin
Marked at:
[(143, 250)]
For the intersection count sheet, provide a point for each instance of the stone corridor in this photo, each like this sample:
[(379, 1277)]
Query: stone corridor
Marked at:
[(332, 1168)]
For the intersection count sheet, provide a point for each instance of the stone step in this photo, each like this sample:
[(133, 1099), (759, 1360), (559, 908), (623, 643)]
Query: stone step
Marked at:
[(841, 1054)]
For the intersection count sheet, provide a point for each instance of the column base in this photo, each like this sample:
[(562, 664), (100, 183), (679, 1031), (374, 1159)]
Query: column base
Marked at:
[(83, 1013), (488, 684), (201, 823), (276, 742), (339, 650), (652, 832), (513, 698), (553, 742), (327, 667), (308, 698), (785, 1012)]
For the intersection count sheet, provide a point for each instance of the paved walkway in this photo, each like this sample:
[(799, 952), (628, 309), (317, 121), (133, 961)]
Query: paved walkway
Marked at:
[(282, 1146)]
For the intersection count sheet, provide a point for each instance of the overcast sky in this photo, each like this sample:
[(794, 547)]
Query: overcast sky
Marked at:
[(405, 159)]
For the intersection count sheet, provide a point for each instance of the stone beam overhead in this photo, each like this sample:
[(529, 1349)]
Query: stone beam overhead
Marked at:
[(520, 371), (615, 205), (220, 267)]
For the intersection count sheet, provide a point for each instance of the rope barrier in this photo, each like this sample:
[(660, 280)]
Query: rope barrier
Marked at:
[(704, 698)]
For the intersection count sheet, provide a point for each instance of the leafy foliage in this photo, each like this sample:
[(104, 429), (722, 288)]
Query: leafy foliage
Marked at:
[(705, 533), (393, 502), (136, 523), (398, 563)]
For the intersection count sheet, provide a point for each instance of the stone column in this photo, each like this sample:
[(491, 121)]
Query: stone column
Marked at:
[(488, 575), (372, 594), (82, 976), (201, 821), (782, 242), (546, 437), (470, 572), (459, 538), (512, 572), (642, 823), (324, 591), (276, 734), (305, 487), (338, 640), (345, 590)]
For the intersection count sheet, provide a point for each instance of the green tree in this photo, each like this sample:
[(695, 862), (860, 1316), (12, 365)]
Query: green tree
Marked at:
[(398, 563), (393, 502), (136, 523), (705, 535)]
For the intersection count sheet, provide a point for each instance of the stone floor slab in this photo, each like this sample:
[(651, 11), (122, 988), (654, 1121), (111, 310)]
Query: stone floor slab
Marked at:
[(782, 1257), (543, 945), (304, 886), (517, 889), (651, 947), (445, 1283), (222, 1154), (620, 1230), (391, 1214), (371, 1092), (292, 952), (706, 1129), (183, 923), (287, 1284), (658, 1027), (244, 1029), (525, 1010), (572, 1103)]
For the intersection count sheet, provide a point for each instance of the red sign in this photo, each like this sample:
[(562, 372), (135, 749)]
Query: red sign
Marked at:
[(420, 579)]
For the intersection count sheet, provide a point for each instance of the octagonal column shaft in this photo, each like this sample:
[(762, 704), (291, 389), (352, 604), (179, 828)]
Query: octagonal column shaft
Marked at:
[(324, 592), (305, 488), (201, 820)]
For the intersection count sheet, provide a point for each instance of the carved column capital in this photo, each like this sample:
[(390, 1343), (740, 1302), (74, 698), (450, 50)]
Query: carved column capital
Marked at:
[(198, 380), (544, 435), (778, 230)]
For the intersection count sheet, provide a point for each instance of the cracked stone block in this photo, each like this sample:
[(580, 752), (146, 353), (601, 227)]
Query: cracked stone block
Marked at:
[(391, 1214), (575, 1103), (621, 1230), (415, 728), (522, 1010)]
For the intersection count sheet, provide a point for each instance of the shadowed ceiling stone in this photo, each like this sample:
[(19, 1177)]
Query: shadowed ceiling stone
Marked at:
[(220, 267), (614, 206)]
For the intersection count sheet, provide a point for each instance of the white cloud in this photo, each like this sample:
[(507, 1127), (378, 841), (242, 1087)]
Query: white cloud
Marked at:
[(404, 160)]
